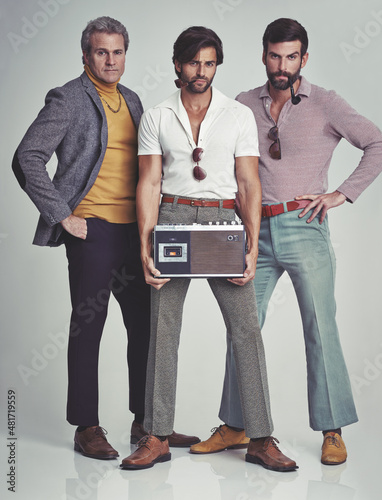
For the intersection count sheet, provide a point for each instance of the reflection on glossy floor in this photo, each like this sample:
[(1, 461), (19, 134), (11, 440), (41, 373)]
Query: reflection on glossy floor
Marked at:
[(50, 471)]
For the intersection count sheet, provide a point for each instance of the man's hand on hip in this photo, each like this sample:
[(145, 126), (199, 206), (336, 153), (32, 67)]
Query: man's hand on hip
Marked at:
[(76, 226), (321, 203)]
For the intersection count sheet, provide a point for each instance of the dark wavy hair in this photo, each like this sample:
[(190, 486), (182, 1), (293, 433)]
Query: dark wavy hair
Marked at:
[(285, 30), (190, 41), (103, 24)]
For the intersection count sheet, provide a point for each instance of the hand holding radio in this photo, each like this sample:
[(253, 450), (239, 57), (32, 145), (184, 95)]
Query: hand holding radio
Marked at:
[(152, 275)]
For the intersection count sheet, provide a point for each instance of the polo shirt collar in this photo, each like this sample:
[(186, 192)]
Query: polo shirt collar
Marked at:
[(218, 101)]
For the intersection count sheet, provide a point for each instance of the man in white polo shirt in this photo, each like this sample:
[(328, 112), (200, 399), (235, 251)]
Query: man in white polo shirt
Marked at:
[(198, 148)]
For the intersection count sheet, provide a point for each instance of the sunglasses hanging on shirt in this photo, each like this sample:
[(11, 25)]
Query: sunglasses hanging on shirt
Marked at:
[(199, 173), (275, 147)]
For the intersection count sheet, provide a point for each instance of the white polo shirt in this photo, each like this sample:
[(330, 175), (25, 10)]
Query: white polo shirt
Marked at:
[(227, 131)]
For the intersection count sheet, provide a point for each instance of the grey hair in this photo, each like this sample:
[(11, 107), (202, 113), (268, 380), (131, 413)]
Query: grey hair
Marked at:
[(102, 24)]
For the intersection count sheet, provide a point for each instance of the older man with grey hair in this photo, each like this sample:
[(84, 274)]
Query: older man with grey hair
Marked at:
[(91, 124)]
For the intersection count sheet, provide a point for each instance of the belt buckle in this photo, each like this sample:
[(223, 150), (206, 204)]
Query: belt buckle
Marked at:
[(192, 203)]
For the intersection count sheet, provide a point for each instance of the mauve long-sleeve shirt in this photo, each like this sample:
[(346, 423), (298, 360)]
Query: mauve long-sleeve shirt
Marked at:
[(309, 133)]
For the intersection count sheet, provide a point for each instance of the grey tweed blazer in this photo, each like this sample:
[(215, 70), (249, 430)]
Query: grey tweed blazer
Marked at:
[(73, 125)]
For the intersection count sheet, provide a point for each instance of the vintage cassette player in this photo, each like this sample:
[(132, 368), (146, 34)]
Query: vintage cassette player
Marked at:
[(199, 251)]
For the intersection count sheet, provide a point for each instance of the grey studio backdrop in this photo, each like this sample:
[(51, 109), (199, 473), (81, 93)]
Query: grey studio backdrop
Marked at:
[(40, 49)]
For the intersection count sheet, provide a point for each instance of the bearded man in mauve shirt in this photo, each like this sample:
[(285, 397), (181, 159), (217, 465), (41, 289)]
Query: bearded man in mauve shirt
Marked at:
[(299, 126)]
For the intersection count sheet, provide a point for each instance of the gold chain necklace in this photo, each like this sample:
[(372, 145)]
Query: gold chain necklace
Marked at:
[(108, 105)]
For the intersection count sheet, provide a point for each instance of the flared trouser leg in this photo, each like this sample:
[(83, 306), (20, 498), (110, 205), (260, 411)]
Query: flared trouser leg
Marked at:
[(287, 243)]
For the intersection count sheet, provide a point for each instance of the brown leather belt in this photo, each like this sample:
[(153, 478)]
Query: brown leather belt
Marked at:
[(272, 210), (200, 203)]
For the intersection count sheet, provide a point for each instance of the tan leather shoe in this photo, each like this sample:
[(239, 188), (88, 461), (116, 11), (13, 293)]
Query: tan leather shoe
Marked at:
[(175, 440), (333, 449), (151, 450), (266, 453), (92, 443), (223, 438)]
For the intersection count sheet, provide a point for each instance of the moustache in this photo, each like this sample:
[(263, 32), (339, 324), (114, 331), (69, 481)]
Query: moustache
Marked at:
[(282, 73)]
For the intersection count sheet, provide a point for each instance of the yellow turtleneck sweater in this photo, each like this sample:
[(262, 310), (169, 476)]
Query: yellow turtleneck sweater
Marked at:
[(112, 196)]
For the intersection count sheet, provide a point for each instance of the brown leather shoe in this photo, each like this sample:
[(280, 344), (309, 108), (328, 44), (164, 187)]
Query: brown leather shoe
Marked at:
[(223, 438), (92, 443), (176, 440), (333, 449), (266, 453), (151, 450)]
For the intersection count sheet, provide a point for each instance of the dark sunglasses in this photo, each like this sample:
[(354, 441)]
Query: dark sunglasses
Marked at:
[(275, 147), (199, 173)]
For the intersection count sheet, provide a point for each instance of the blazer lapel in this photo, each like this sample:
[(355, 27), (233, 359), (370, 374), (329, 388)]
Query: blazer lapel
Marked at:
[(91, 90)]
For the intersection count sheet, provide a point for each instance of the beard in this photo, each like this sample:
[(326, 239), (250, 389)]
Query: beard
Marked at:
[(197, 89), (280, 84), (193, 87)]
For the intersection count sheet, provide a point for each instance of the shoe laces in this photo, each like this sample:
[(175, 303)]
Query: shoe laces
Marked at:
[(332, 440), (270, 442), (100, 432), (214, 430), (144, 441)]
